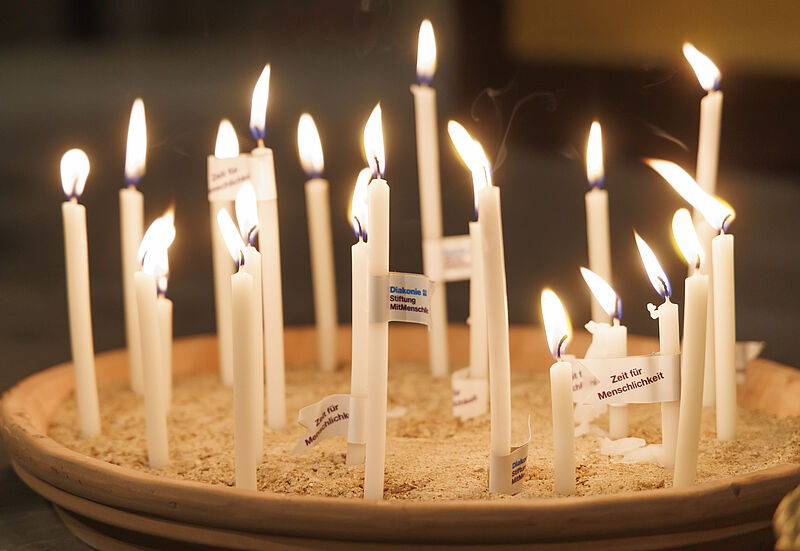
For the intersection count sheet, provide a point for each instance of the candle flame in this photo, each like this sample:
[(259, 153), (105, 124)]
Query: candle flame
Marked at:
[(557, 327), (604, 293), (152, 253), (247, 212), (227, 146), (707, 73), (136, 151), (594, 156), (74, 171), (373, 143), (358, 204), (658, 278), (718, 213), (426, 53), (233, 241), (473, 156), (258, 106), (309, 146), (686, 237)]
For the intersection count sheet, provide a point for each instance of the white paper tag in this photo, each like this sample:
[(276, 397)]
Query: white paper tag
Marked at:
[(225, 177), (322, 420), (470, 396), (357, 426), (507, 472), (400, 297), (746, 351), (634, 379), (263, 174), (448, 258), (582, 378)]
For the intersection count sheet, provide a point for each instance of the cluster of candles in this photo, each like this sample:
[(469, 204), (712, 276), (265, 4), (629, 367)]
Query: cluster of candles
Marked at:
[(247, 279)]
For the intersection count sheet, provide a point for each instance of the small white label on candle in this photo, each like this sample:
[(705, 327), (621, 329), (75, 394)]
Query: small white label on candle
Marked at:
[(634, 379), (448, 258), (225, 177), (746, 351), (582, 379), (401, 297), (507, 472), (325, 419), (470, 396)]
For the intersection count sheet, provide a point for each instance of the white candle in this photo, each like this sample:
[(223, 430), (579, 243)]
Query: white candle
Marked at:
[(557, 330), (719, 215), (377, 331), (74, 170), (269, 244), (131, 221), (359, 371), (608, 341), (430, 201), (597, 226), (693, 354), (165, 328), (320, 241)]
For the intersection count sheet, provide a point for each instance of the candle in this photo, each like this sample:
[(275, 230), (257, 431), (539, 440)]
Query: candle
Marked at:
[(558, 332), (707, 159), (608, 341), (359, 372), (74, 170), (246, 354), (378, 327), (668, 340), (247, 216), (131, 220), (320, 241), (165, 327), (152, 256), (693, 354), (597, 231), (227, 147), (430, 201), (269, 244), (719, 215)]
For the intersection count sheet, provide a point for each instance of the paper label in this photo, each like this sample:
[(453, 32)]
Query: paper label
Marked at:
[(448, 258), (470, 396), (746, 351), (400, 297), (322, 420), (225, 177), (507, 472), (582, 378), (634, 379)]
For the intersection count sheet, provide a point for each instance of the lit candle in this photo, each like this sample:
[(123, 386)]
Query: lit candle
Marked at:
[(668, 340), (246, 354), (378, 329), (359, 372), (247, 217), (473, 156), (558, 332), (609, 340), (597, 231), (320, 241), (693, 354), (165, 327), (131, 221), (707, 160), (719, 215), (269, 244), (227, 147), (74, 170), (430, 200), (152, 256)]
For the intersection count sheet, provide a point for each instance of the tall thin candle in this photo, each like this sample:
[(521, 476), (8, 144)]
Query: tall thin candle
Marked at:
[(597, 226)]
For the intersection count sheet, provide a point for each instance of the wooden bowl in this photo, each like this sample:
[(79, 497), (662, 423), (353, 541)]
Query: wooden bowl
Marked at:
[(112, 507)]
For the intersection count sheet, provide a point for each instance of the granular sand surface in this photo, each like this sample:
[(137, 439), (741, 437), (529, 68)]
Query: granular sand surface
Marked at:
[(430, 455)]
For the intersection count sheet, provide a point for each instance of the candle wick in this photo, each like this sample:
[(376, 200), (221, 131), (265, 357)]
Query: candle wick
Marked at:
[(664, 285), (560, 344), (697, 264), (260, 142), (724, 226), (241, 259), (377, 167)]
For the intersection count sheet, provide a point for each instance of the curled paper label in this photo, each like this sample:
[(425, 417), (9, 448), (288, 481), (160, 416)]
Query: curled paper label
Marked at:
[(507, 472), (225, 176), (400, 297), (357, 427), (324, 419), (448, 258), (470, 396), (634, 379), (582, 378), (746, 351), (263, 174)]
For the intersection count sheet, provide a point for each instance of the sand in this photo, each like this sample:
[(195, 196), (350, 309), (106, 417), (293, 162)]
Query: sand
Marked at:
[(430, 455)]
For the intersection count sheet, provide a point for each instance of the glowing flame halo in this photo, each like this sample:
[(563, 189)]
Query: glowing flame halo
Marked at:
[(373, 143), (227, 146), (74, 171), (358, 204), (594, 156), (426, 53), (258, 106), (557, 327), (473, 156), (707, 72), (309, 146), (658, 278), (136, 148), (233, 241), (604, 293), (686, 238), (247, 212)]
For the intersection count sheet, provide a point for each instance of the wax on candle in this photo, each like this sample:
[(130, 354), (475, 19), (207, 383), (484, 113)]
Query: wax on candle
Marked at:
[(597, 226), (320, 241), (165, 327), (430, 201), (558, 332), (131, 214), (74, 171)]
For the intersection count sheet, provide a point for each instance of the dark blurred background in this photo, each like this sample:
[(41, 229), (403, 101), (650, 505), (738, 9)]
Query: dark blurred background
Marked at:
[(71, 69)]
